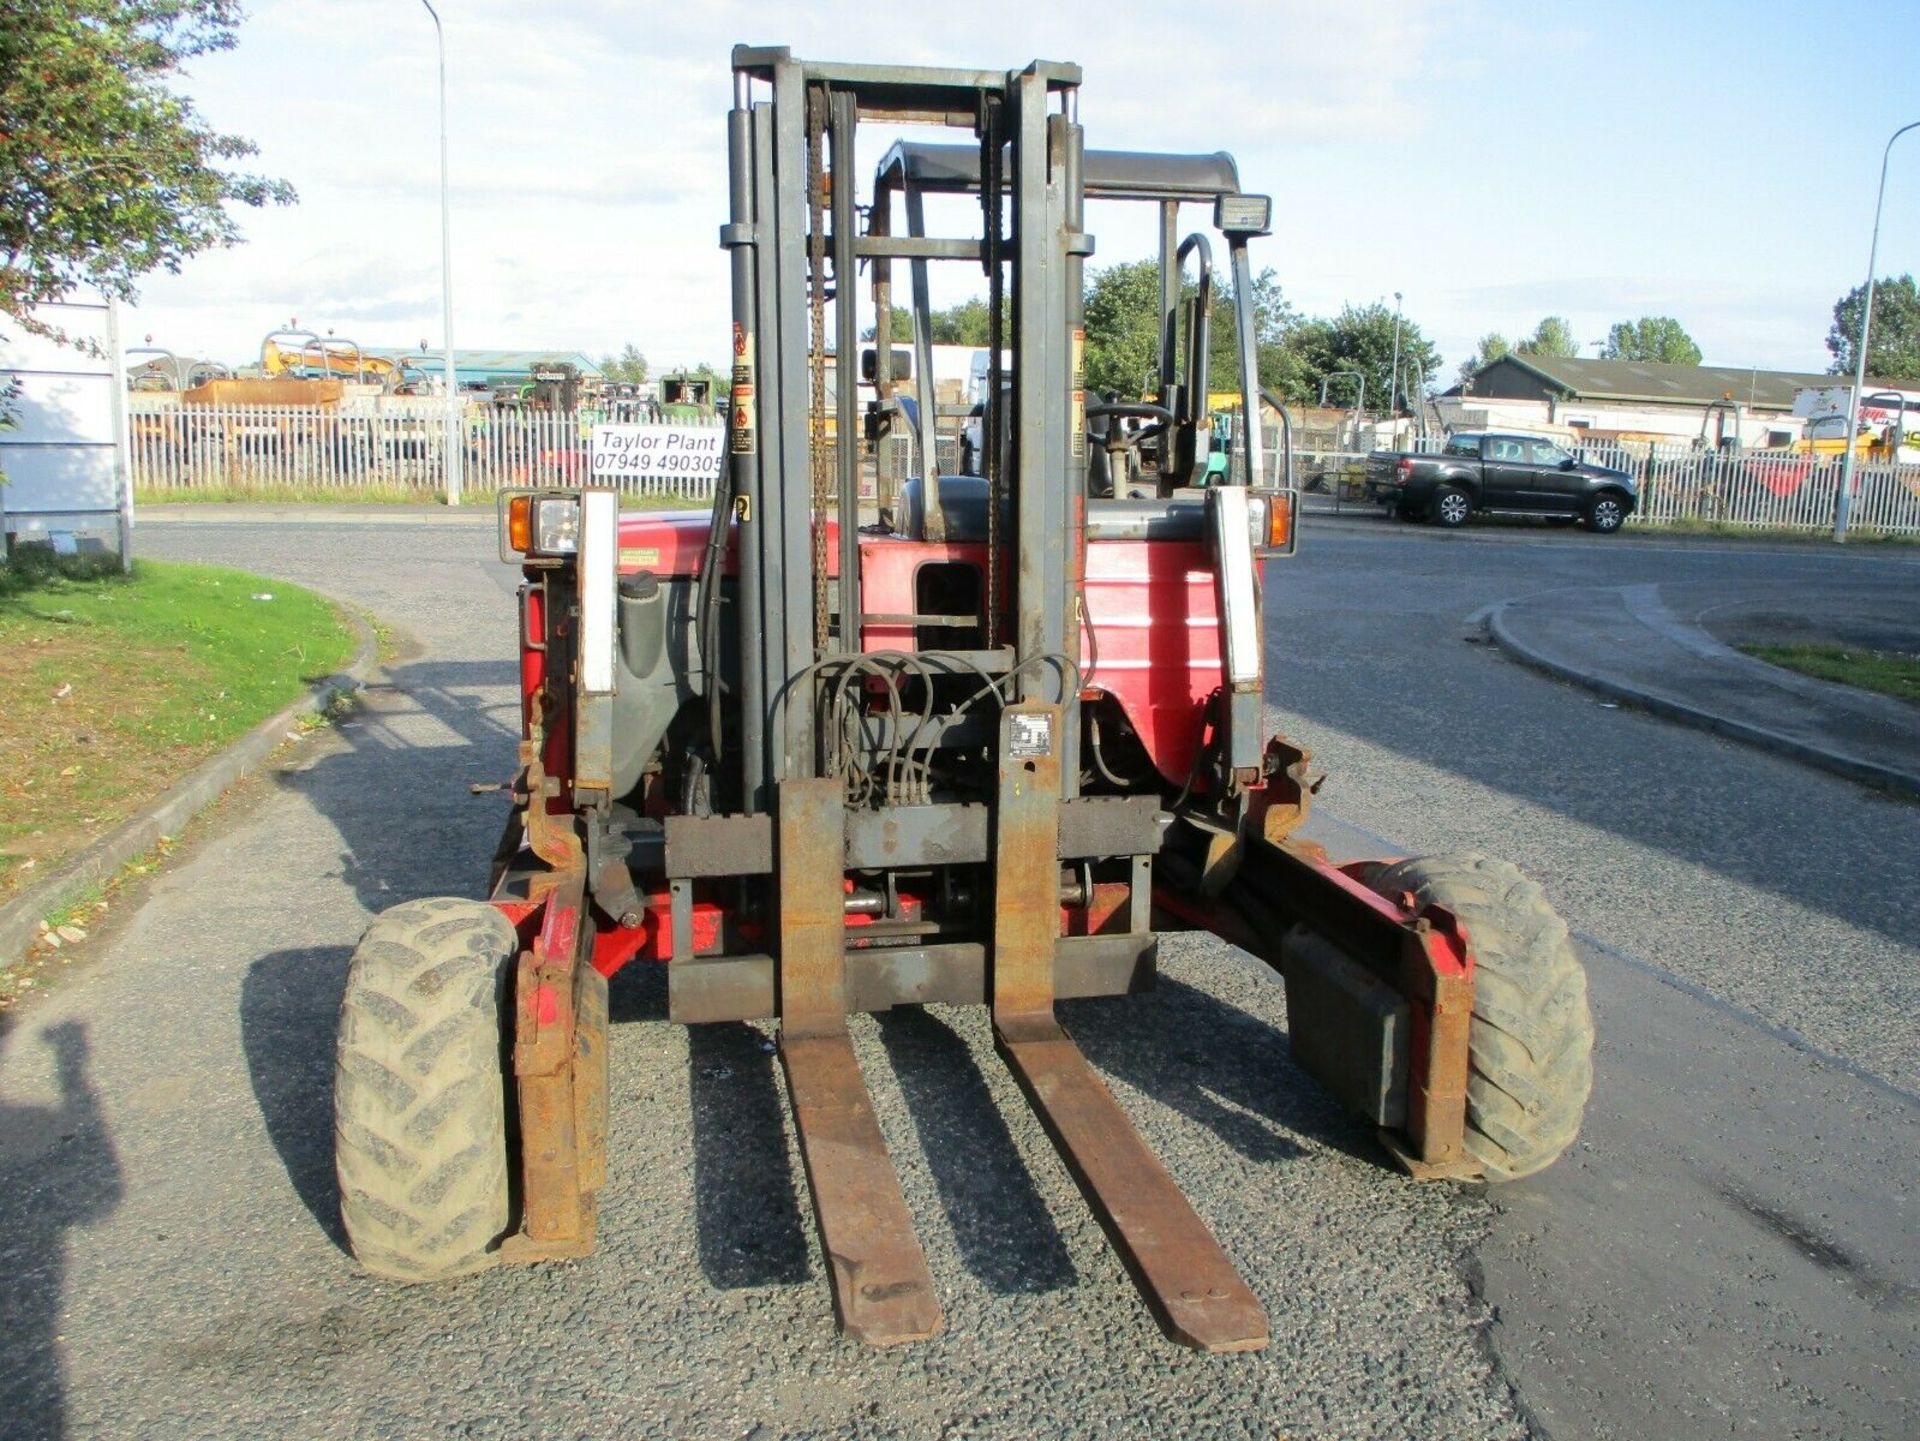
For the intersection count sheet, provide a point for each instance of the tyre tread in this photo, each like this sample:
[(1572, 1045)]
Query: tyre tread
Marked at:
[(1531, 1034), (420, 1145)]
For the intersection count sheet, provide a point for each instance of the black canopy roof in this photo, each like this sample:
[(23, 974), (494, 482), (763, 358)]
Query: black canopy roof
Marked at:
[(1108, 174)]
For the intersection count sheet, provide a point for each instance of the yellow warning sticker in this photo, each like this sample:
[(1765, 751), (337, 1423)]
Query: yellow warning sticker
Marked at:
[(745, 408), (1078, 441)]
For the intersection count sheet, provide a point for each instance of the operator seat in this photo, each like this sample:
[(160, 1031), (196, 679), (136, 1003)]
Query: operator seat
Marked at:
[(963, 505)]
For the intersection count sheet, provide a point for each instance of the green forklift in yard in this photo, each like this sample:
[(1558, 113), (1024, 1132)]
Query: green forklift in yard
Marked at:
[(983, 753)]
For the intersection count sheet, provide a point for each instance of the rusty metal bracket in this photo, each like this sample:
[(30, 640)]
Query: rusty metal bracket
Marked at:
[(553, 838), (560, 1068), (1438, 980), (1281, 806)]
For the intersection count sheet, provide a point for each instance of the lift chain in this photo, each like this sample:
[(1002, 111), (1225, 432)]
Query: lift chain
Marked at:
[(817, 301), (992, 424)]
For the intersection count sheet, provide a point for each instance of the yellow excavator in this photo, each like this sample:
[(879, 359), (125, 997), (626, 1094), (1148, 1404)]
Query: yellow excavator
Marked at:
[(329, 358)]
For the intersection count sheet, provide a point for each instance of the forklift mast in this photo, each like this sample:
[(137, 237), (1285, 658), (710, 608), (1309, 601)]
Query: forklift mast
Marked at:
[(796, 240), (795, 236)]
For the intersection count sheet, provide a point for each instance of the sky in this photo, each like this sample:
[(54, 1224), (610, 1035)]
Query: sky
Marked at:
[(1491, 162)]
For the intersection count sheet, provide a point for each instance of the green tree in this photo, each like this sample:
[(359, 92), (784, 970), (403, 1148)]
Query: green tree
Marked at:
[(1122, 316), (1652, 337), (968, 323), (1359, 338), (962, 324), (106, 173), (1123, 327), (628, 367), (1552, 336), (1893, 349), (1274, 320), (1492, 346)]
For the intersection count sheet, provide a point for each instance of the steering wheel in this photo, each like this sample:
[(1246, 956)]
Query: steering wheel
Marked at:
[(1119, 445)]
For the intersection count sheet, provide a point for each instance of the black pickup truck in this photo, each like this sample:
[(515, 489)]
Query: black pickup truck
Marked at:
[(1482, 471)]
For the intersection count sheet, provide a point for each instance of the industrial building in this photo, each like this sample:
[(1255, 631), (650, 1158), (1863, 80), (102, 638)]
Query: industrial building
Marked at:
[(1633, 400)]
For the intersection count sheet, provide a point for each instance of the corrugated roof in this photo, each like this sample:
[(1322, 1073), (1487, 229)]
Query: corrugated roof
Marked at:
[(1580, 379)]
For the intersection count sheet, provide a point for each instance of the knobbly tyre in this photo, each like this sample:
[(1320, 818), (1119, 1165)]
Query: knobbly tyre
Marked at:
[(979, 753)]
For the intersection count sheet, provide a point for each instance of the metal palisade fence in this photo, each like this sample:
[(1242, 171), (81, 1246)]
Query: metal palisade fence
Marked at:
[(1777, 490), (285, 449)]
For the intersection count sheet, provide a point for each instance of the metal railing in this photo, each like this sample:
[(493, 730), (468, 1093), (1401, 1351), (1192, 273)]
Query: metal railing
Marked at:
[(1777, 490), (286, 448)]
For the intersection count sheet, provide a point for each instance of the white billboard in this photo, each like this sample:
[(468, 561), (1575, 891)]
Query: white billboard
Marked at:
[(65, 454), (675, 452)]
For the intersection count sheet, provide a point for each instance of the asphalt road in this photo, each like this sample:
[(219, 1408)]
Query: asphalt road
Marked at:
[(1731, 1249)]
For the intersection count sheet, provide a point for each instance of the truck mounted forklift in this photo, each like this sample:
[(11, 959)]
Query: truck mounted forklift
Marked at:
[(980, 751)]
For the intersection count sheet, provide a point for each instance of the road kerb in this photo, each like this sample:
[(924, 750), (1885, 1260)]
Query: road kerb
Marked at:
[(1853, 768)]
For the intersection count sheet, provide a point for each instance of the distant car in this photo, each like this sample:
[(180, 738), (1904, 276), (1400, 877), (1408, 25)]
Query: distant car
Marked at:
[(1505, 474), (971, 446)]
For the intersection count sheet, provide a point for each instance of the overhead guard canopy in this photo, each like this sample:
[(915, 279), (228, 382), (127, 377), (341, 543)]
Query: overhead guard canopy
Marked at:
[(1107, 174)]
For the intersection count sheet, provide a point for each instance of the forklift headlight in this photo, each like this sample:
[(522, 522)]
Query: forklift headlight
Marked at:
[(539, 528), (1270, 516), (556, 525), (1243, 215)]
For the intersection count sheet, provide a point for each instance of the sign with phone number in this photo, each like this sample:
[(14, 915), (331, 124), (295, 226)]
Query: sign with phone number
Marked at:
[(677, 451)]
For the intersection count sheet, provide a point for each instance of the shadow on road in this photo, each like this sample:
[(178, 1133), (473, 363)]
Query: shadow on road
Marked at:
[(289, 1010), (400, 792), (1005, 1233), (746, 1203), (637, 992), (1215, 1064), (58, 1169)]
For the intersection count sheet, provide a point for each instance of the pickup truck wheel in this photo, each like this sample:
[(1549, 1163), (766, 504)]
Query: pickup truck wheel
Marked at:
[(1606, 513), (1531, 1036), (419, 1090), (1452, 507)]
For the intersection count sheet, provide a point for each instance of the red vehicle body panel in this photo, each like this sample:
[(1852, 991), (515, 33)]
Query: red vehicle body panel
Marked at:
[(1153, 607)]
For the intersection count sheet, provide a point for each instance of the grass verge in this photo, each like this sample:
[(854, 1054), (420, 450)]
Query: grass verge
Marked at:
[(116, 686), (1888, 672)]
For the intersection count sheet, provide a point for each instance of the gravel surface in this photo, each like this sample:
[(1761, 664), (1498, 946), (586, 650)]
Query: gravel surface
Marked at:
[(167, 1226)]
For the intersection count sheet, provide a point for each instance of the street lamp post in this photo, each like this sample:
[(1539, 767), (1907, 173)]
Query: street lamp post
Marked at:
[(452, 445), (1843, 503), (1393, 386)]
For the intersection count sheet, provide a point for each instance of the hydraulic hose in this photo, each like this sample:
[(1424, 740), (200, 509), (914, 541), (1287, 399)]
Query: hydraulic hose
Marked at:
[(712, 564)]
